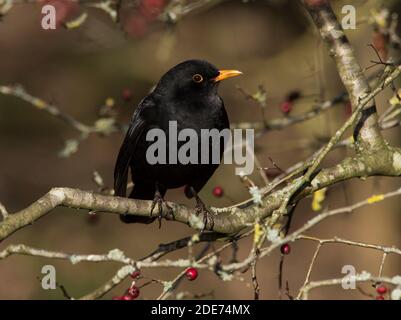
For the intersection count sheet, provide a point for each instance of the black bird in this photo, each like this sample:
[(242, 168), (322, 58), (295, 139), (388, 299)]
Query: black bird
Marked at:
[(187, 94)]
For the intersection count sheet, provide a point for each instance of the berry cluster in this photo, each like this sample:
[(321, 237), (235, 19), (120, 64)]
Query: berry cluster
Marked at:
[(133, 291), (137, 23), (381, 290)]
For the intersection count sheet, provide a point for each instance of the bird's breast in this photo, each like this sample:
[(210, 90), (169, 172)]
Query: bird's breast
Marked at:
[(202, 113), (174, 119)]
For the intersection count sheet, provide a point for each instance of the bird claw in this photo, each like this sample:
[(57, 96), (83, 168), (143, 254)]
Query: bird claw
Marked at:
[(207, 214), (159, 201)]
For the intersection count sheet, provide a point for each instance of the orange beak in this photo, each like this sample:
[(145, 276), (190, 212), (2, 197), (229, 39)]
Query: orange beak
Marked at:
[(225, 74)]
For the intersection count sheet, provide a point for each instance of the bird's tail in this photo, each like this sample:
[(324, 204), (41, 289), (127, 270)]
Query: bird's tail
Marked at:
[(141, 192)]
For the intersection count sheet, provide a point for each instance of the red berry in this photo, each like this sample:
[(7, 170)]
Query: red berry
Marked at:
[(136, 26), (127, 297), (150, 9), (285, 248), (127, 94), (135, 274), (218, 191), (286, 107), (191, 273), (380, 298), (133, 292), (381, 289)]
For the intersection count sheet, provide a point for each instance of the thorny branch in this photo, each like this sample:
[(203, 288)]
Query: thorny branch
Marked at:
[(363, 277), (373, 157), (206, 262)]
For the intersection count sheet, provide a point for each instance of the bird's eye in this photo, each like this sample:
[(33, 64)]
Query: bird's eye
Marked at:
[(197, 78)]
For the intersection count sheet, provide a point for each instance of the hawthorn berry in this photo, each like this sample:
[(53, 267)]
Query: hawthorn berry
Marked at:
[(218, 191), (380, 298), (286, 107), (133, 292), (285, 248), (381, 289), (126, 94), (191, 273), (127, 297), (150, 9), (135, 274), (136, 26)]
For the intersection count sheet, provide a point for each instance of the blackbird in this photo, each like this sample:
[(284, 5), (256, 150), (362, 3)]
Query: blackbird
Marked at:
[(187, 94)]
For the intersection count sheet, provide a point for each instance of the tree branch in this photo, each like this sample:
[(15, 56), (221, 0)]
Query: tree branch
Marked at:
[(367, 133)]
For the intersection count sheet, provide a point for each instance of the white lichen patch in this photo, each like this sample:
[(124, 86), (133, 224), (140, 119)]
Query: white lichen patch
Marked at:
[(361, 166), (212, 261), (341, 170), (196, 221), (368, 135), (183, 263), (225, 276), (397, 280), (167, 285), (195, 237), (56, 196), (124, 271), (74, 259), (315, 183), (273, 235), (116, 254), (364, 275), (256, 194), (396, 294), (397, 161)]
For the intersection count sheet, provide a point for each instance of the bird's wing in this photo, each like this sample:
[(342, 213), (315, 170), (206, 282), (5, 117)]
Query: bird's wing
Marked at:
[(127, 150)]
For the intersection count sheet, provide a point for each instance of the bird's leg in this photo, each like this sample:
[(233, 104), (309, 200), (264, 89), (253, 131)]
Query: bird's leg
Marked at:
[(159, 201), (202, 208)]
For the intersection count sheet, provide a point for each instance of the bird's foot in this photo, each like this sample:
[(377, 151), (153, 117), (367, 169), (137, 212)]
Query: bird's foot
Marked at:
[(201, 208), (159, 201)]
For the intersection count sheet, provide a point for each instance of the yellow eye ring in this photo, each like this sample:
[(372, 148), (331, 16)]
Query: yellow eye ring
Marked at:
[(197, 78)]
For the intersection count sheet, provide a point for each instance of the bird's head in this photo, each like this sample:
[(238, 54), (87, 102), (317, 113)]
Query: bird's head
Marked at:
[(193, 77)]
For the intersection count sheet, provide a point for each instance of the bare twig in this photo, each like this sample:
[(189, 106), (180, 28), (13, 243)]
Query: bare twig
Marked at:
[(19, 92), (363, 277), (255, 283)]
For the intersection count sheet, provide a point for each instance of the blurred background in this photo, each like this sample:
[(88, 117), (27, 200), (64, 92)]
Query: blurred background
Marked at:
[(102, 63)]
